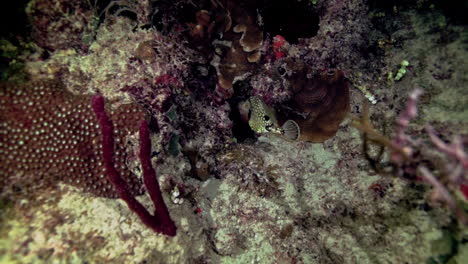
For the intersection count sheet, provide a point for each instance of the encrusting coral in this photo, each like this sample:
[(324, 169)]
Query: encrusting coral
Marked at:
[(50, 135)]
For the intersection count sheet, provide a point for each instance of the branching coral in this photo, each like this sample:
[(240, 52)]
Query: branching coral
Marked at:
[(160, 222), (415, 160)]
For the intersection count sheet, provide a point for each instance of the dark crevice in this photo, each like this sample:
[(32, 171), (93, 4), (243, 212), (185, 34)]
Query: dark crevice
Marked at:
[(13, 20), (292, 20), (240, 129)]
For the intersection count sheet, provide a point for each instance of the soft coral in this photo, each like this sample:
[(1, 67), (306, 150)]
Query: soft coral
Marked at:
[(161, 221)]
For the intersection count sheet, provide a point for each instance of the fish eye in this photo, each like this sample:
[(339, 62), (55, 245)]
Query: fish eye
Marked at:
[(266, 118)]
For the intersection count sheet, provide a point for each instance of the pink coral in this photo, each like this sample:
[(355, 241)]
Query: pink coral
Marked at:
[(278, 43)]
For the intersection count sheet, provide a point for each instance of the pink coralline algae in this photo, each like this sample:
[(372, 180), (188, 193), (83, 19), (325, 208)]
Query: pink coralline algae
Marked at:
[(49, 135), (278, 43)]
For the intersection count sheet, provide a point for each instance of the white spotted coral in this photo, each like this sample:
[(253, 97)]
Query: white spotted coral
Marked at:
[(50, 135)]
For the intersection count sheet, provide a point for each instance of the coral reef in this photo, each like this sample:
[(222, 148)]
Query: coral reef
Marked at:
[(247, 110)]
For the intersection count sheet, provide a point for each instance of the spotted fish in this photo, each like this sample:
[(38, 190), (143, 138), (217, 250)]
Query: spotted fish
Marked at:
[(262, 119)]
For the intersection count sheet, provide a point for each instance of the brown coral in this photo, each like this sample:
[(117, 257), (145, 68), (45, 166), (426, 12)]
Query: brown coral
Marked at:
[(238, 51), (229, 33), (318, 105)]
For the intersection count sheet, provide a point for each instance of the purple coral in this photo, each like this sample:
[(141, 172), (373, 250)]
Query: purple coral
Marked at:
[(160, 222)]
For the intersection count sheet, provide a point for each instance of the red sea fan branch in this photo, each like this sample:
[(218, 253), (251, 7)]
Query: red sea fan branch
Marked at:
[(160, 222)]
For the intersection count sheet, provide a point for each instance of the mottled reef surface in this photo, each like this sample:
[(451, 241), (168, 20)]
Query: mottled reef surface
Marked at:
[(237, 193)]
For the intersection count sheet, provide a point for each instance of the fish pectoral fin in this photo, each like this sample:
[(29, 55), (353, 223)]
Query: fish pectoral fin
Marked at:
[(291, 130)]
